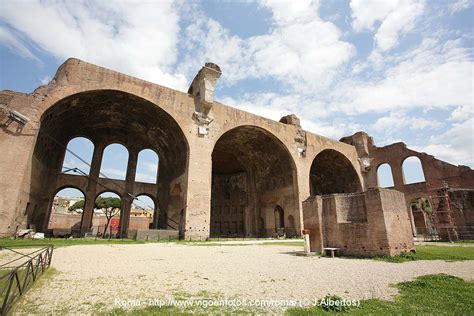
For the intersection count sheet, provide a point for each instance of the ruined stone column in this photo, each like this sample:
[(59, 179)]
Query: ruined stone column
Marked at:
[(91, 192), (127, 198), (397, 173), (198, 198), (302, 186)]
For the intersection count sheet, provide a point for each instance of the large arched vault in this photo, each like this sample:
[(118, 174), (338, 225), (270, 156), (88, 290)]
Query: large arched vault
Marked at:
[(331, 172), (105, 117), (252, 172)]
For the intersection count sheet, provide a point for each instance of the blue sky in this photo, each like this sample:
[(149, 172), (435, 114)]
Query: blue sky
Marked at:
[(400, 70)]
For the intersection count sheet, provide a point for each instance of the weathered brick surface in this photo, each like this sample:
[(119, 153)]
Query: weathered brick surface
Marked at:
[(378, 226), (197, 139)]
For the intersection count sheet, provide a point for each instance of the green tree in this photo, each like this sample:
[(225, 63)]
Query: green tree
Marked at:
[(111, 207), (77, 205)]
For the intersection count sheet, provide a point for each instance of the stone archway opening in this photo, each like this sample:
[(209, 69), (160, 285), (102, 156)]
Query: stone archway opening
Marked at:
[(66, 212), (107, 117), (252, 172), (143, 212), (107, 212), (423, 218), (331, 172)]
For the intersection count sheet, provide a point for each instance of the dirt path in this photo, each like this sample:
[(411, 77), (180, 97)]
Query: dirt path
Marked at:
[(95, 276)]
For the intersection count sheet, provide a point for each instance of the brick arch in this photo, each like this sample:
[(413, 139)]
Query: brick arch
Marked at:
[(120, 118), (332, 172), (147, 195), (250, 163), (69, 141), (274, 135), (57, 190), (69, 80), (377, 173), (421, 169)]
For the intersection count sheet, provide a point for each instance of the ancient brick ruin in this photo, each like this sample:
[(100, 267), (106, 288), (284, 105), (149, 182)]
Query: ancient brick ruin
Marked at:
[(222, 172)]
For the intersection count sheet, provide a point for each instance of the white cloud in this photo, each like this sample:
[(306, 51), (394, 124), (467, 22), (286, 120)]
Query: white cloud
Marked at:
[(114, 173), (312, 114), (456, 145), (45, 80), (396, 17), (286, 12), (434, 75), (145, 177), (399, 121), (11, 41), (136, 38), (305, 54), (462, 113), (459, 5)]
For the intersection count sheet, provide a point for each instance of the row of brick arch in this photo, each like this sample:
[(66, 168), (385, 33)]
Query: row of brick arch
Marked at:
[(70, 162), (410, 174), (81, 194)]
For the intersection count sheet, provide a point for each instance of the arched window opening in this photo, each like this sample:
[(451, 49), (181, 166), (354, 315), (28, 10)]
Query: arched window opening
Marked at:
[(106, 220), (142, 212), (83, 148), (412, 170), (114, 162), (66, 212), (384, 176), (147, 166)]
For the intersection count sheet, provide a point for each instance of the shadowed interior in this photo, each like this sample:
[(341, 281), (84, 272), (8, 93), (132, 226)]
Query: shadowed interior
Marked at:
[(106, 117), (251, 171), (331, 172)]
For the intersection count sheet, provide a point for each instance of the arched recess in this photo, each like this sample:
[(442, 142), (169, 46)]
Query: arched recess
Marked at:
[(331, 172), (147, 166), (114, 162), (252, 172), (74, 165), (412, 170), (66, 212), (279, 218), (384, 176), (423, 216), (143, 212), (107, 117)]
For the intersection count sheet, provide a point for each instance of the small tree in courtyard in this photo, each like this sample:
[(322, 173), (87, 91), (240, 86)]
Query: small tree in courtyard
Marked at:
[(111, 207)]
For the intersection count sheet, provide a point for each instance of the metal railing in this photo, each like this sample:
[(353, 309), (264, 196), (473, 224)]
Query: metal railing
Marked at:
[(17, 275)]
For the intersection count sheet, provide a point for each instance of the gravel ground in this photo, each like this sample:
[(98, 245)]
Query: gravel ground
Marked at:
[(17, 255), (91, 278)]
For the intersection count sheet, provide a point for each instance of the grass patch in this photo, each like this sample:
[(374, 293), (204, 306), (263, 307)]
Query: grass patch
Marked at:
[(64, 242), (426, 295), (427, 252), (464, 241)]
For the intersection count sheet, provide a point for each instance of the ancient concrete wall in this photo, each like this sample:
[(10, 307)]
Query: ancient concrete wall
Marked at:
[(26, 176), (73, 221), (436, 173), (462, 205), (372, 223)]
